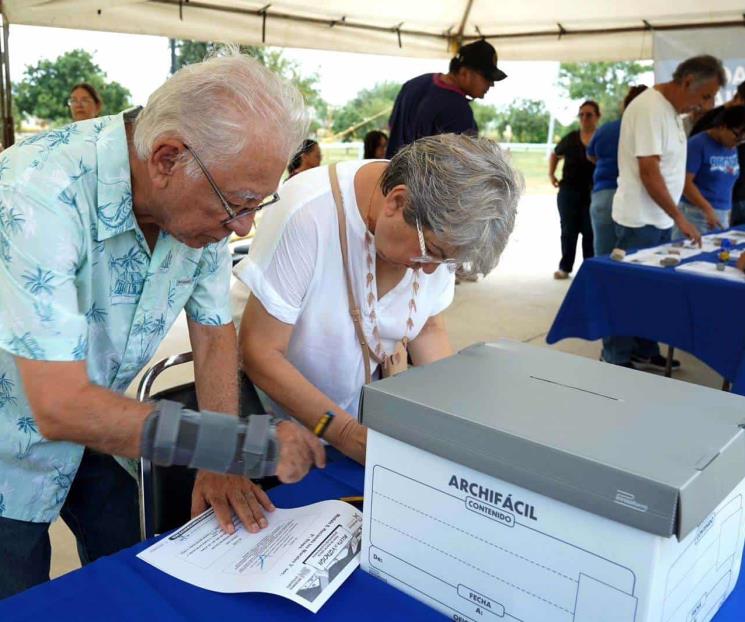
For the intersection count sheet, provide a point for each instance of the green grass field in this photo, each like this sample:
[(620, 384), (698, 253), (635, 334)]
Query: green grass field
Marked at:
[(532, 164)]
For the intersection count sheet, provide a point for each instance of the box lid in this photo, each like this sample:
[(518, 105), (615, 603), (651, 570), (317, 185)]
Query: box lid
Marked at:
[(650, 452)]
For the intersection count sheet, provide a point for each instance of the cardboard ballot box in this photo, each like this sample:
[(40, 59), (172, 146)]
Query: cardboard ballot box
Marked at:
[(520, 483)]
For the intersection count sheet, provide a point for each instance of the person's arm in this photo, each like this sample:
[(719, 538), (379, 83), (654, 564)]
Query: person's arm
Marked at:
[(263, 342), (553, 162), (68, 407), (432, 342), (216, 378), (654, 183), (694, 196)]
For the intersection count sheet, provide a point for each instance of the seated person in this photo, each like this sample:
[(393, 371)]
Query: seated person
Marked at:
[(712, 168), (440, 202)]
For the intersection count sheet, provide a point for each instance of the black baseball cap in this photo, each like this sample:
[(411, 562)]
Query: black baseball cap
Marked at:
[(481, 56)]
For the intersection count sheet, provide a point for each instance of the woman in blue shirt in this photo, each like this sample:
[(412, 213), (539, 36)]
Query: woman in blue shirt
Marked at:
[(712, 168), (603, 152)]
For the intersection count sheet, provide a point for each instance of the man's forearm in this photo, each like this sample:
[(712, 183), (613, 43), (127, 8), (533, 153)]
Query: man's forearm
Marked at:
[(100, 419), (215, 367)]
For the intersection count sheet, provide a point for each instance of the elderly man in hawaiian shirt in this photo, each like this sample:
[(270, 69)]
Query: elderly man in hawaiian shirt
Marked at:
[(108, 228)]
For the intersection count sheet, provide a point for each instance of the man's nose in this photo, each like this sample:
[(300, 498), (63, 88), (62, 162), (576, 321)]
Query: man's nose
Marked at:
[(241, 226)]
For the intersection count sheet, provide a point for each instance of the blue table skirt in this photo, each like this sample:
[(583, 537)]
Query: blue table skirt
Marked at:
[(122, 588), (701, 315)]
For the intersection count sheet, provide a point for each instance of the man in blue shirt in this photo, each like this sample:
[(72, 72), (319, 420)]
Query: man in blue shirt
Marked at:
[(436, 103), (110, 227)]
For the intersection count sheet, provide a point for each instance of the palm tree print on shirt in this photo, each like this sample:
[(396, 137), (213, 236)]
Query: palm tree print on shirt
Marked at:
[(128, 279), (39, 282)]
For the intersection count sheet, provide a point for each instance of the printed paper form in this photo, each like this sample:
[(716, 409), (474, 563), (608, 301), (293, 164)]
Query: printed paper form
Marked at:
[(304, 554)]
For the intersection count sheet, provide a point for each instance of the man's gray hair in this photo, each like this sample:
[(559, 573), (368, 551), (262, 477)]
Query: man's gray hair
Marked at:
[(702, 69), (464, 190), (217, 106)]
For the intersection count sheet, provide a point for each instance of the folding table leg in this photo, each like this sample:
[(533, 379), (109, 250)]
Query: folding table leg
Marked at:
[(669, 363)]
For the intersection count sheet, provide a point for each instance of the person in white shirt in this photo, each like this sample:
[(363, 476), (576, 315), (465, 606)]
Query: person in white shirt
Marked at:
[(651, 175), (441, 202)]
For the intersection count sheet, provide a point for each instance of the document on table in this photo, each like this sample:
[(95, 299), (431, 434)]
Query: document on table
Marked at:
[(706, 268), (304, 554)]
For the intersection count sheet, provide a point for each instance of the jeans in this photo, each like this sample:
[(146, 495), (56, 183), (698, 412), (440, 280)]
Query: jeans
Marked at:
[(101, 509), (603, 227), (618, 350), (574, 212), (696, 217), (738, 213)]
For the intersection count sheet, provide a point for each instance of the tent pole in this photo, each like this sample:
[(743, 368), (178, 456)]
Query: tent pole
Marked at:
[(6, 94)]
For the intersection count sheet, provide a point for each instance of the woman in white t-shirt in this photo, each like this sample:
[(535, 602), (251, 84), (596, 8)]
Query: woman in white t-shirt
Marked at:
[(440, 202)]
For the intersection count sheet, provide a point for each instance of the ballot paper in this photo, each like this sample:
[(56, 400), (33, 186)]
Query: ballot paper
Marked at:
[(653, 256), (304, 554), (706, 268)]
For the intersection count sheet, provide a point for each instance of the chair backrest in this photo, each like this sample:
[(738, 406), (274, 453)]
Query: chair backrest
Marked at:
[(165, 492)]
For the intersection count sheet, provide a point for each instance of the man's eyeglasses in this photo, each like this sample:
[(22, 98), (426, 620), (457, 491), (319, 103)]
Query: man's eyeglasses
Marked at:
[(234, 212), (425, 257)]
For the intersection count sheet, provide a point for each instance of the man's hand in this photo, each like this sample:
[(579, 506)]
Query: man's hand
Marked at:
[(741, 262), (228, 494), (554, 181), (688, 230), (299, 450)]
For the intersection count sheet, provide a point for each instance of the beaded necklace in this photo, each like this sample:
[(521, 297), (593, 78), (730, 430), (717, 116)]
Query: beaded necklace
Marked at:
[(371, 290)]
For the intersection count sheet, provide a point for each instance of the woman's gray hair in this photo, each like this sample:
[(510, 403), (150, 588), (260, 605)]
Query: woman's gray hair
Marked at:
[(464, 190), (219, 105), (702, 69)]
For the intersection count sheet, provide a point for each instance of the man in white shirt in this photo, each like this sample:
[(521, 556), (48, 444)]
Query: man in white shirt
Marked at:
[(651, 175)]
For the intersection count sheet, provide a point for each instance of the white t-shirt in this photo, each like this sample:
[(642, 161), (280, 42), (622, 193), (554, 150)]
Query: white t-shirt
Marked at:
[(650, 126), (295, 269)]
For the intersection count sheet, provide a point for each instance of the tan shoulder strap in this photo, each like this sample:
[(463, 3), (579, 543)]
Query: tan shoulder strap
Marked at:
[(354, 309)]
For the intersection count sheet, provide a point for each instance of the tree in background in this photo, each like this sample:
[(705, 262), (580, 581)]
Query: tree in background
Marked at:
[(45, 87), (487, 118), (606, 83), (369, 110), (188, 52), (524, 121)]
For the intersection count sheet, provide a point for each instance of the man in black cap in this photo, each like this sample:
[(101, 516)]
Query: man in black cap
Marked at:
[(436, 103)]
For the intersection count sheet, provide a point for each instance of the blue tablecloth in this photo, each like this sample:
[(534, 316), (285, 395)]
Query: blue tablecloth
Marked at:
[(122, 588), (701, 315)]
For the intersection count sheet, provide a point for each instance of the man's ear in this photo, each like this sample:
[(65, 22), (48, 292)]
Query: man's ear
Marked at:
[(164, 160), (395, 200)]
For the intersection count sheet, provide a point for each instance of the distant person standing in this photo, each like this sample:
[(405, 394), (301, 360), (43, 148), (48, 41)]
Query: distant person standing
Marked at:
[(575, 188), (85, 102), (436, 103), (651, 175), (603, 153), (375, 145)]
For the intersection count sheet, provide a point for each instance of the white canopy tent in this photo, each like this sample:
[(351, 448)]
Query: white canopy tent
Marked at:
[(578, 30)]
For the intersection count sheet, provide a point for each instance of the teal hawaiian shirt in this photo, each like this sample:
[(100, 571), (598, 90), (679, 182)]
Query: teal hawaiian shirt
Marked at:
[(78, 282)]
